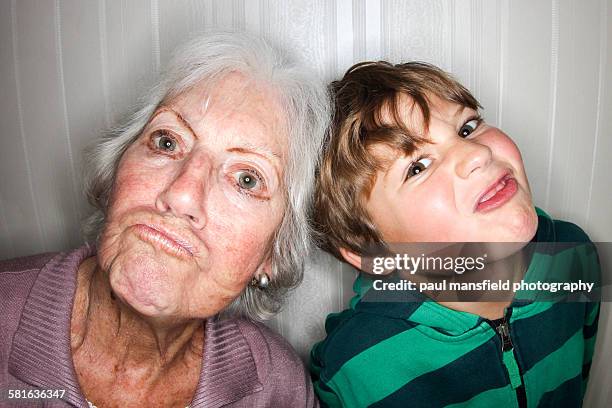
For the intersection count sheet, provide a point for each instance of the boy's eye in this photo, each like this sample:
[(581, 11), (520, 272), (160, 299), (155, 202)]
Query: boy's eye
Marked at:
[(417, 167), (469, 126)]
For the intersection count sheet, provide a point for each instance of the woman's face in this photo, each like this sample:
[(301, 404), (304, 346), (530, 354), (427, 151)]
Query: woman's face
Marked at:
[(196, 201)]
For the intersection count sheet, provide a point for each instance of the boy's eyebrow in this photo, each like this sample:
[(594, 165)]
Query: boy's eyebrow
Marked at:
[(395, 167), (459, 110), (391, 170)]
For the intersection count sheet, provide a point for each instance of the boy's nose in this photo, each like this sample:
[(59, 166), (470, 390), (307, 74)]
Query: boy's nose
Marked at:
[(472, 156), (185, 194)]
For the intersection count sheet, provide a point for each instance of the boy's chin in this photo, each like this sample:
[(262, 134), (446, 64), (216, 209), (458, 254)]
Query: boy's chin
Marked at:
[(525, 224), (518, 225)]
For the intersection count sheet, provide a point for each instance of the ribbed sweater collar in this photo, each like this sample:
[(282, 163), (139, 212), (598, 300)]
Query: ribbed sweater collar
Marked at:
[(41, 353)]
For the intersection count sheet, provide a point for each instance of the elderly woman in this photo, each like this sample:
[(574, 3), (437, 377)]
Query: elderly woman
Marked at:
[(201, 219)]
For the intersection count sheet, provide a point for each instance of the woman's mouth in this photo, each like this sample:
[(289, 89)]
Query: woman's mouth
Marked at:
[(497, 195), (161, 240)]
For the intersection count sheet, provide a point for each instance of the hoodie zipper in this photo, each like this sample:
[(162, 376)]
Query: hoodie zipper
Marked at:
[(502, 328)]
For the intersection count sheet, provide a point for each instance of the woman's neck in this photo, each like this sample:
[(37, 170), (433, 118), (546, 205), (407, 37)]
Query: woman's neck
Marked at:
[(125, 346)]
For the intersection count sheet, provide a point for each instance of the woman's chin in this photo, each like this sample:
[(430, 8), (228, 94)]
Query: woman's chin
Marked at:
[(145, 304), (143, 283)]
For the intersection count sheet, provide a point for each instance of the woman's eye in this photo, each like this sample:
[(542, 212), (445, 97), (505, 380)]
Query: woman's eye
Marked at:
[(417, 167), (469, 127), (249, 180), (164, 141)]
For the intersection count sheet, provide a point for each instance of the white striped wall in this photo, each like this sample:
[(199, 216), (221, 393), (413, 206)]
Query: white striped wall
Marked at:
[(542, 70)]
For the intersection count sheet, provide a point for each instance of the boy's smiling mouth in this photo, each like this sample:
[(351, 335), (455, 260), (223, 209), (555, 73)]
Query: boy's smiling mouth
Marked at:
[(497, 194)]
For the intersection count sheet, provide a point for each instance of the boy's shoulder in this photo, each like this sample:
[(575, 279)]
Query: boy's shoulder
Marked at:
[(564, 235), (354, 331), (566, 231), (554, 230)]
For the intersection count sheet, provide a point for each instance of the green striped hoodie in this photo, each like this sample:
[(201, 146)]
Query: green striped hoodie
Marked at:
[(422, 354)]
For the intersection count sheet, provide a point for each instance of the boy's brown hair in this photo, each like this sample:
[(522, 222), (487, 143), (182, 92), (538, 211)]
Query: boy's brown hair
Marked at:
[(367, 112)]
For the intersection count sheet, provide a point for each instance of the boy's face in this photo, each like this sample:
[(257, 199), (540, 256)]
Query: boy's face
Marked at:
[(469, 185)]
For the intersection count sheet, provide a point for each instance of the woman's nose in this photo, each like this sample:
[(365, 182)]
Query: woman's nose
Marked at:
[(472, 156), (185, 195)]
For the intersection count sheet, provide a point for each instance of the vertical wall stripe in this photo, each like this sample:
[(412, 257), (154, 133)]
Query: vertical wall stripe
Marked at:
[(330, 41), (155, 34), (62, 88), (214, 13), (474, 15), (478, 44), (498, 31), (359, 36), (264, 18), (252, 17), (280, 328), (463, 32), (450, 64), (210, 17), (238, 15), (103, 60), (554, 72), (503, 27), (344, 35), (41, 234), (569, 180), (8, 249), (124, 39), (385, 32), (603, 56), (471, 57), (373, 29)]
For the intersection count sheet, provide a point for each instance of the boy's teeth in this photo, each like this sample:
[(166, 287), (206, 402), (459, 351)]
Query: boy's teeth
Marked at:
[(494, 191)]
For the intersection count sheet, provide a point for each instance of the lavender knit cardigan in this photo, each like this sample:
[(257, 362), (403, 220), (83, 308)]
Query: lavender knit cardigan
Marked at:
[(244, 364)]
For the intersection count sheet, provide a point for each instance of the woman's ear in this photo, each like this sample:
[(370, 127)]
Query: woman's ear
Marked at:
[(265, 267), (351, 257), (263, 275)]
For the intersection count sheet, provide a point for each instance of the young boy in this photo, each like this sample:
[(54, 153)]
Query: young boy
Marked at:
[(409, 159)]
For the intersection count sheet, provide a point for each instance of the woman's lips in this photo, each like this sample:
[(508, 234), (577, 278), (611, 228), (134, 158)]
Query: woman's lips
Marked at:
[(498, 195), (162, 241)]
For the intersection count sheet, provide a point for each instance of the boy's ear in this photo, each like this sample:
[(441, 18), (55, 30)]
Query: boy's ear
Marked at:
[(351, 257)]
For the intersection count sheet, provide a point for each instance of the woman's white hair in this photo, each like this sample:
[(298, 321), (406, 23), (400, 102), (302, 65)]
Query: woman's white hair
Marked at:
[(306, 111)]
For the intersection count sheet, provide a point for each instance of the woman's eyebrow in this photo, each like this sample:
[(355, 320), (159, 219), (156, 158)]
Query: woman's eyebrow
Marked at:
[(261, 151), (180, 118), (272, 157)]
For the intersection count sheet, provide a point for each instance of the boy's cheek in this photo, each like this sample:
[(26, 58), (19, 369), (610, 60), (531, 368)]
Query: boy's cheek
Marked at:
[(434, 221), (504, 148)]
